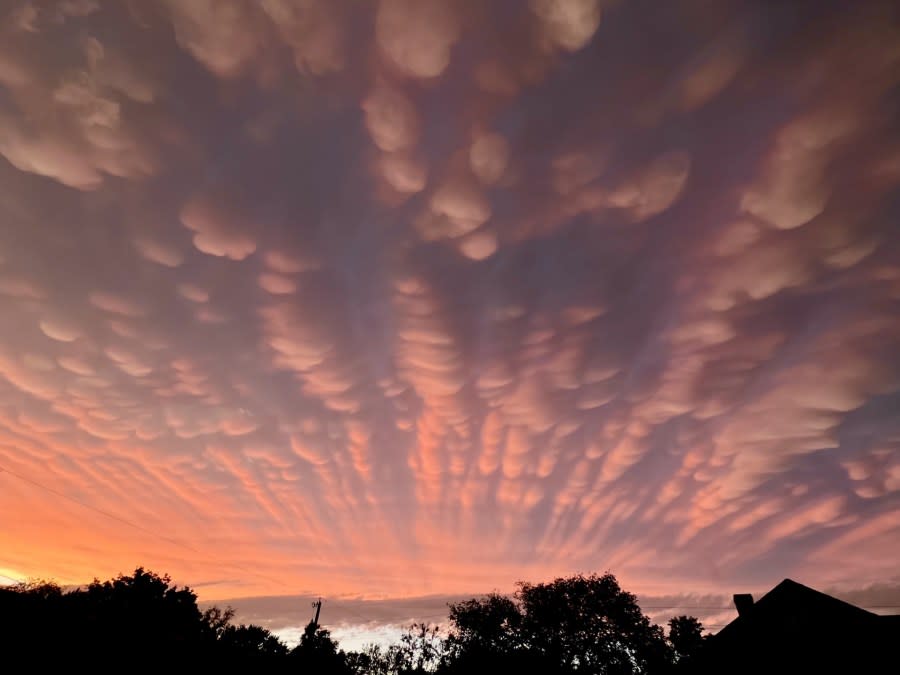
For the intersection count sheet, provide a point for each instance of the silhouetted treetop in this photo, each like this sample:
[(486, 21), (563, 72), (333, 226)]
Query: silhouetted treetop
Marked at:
[(686, 637), (140, 618), (587, 624), (492, 624), (572, 625)]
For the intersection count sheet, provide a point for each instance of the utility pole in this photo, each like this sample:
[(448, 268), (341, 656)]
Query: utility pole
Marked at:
[(318, 605)]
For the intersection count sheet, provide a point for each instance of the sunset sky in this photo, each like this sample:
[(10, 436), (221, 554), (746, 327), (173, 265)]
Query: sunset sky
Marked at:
[(394, 302)]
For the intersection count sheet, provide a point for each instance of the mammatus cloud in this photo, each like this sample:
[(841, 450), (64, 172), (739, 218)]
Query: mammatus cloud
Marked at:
[(412, 299), (416, 38)]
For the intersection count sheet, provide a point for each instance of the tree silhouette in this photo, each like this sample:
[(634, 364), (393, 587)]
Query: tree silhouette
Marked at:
[(581, 623), (143, 616), (686, 637), (487, 635), (250, 641), (592, 625), (138, 619), (370, 661), (492, 624), (318, 652), (217, 620), (41, 589), (419, 651)]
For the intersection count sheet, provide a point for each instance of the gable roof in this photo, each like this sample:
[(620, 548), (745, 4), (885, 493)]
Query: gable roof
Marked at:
[(789, 591), (795, 607), (794, 628)]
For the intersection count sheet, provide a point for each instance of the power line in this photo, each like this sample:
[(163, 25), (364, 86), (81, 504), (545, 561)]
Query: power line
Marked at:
[(137, 526), (146, 530), (182, 544), (102, 512), (350, 611)]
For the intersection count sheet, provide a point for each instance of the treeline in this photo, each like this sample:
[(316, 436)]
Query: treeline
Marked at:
[(579, 624)]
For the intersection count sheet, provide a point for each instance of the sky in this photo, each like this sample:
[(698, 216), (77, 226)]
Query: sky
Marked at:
[(403, 301)]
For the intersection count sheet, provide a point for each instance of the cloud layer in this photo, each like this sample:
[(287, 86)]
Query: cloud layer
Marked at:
[(407, 298)]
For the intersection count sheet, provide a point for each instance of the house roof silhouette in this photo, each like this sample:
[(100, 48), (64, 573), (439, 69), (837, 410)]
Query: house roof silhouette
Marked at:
[(797, 629)]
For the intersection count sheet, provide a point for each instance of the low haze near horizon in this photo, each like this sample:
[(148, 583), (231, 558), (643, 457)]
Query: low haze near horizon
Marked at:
[(413, 299)]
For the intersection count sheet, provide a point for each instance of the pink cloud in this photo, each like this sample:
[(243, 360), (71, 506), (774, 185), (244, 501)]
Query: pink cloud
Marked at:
[(405, 174), (217, 229), (457, 207), (224, 36), (60, 329), (391, 118), (21, 288), (285, 263), (159, 252), (115, 303), (314, 31), (277, 284), (479, 245), (88, 136), (569, 24), (193, 293), (655, 188), (527, 285), (488, 157), (417, 36)]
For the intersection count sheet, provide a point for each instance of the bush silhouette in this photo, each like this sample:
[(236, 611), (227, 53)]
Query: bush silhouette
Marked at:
[(581, 624)]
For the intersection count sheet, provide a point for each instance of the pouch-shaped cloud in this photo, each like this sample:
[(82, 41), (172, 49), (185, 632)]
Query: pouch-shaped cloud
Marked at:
[(277, 284), (223, 36), (76, 365), (158, 251), (569, 24), (458, 207), (218, 229), (313, 30), (193, 293), (792, 191), (488, 157), (417, 35), (654, 188), (406, 174), (74, 126), (479, 245), (391, 118), (514, 279), (19, 287), (116, 303), (711, 73), (60, 328), (286, 263)]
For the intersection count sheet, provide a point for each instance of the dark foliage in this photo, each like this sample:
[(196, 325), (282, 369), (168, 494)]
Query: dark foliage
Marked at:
[(419, 651), (686, 638), (582, 624), (318, 653), (126, 623)]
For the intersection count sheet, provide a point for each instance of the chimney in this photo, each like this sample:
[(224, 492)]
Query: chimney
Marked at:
[(743, 602)]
